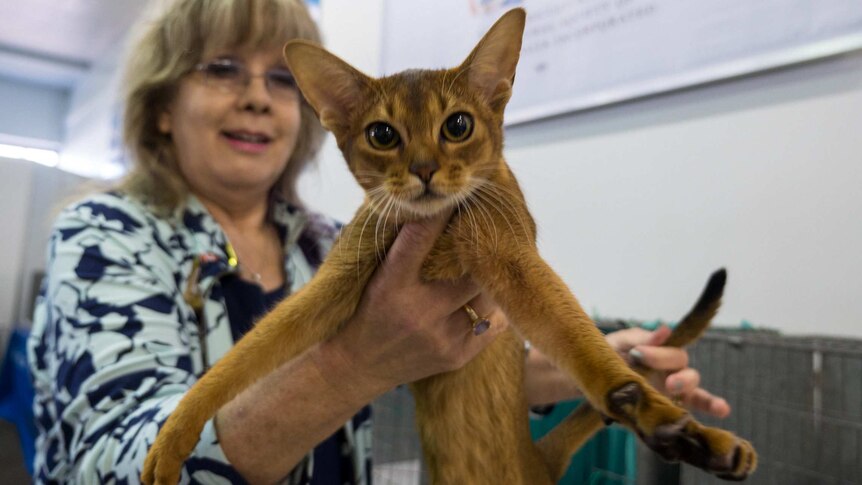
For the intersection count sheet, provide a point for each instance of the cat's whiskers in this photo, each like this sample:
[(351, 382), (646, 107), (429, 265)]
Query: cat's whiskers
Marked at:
[(473, 225), (380, 215), (373, 173), (502, 195), (397, 213), (370, 177), (371, 212), (489, 223), (368, 216), (492, 200), (498, 194), (366, 178), (472, 206), (459, 202), (370, 193), (466, 202), (393, 204)]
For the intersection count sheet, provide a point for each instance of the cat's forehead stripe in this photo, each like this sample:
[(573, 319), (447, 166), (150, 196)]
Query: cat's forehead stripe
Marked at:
[(418, 92), (416, 87)]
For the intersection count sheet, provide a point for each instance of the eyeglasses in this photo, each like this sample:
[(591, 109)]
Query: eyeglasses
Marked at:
[(232, 76)]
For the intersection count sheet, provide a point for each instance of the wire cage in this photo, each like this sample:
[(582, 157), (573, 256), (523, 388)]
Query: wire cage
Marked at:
[(608, 459), (797, 399), (396, 448)]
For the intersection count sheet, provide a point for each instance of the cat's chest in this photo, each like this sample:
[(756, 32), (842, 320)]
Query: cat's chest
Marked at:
[(479, 236)]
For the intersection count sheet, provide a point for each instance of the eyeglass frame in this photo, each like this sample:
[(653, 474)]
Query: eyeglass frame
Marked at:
[(236, 86)]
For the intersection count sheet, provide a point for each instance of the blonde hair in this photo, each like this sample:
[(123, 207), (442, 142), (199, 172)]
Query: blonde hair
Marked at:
[(169, 49)]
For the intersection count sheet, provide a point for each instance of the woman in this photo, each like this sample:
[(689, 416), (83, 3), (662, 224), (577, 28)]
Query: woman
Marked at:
[(150, 284)]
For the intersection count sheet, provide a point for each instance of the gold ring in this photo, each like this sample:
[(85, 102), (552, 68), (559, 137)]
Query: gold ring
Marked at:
[(677, 399), (478, 324)]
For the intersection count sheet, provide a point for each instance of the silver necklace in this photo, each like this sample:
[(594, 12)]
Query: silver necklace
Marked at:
[(233, 260), (255, 276)]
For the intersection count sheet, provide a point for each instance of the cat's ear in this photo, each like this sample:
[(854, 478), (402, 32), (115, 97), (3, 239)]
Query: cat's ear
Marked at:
[(331, 86), (490, 68)]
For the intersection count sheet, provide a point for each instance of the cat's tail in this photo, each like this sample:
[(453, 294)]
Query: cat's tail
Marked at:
[(558, 446), (695, 322)]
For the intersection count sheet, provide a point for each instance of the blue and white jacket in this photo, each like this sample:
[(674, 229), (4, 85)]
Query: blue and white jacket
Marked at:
[(115, 345)]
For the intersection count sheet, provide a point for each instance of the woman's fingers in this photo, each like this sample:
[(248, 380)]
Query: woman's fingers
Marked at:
[(703, 401), (660, 358), (683, 382), (456, 293), (658, 336), (411, 247), (461, 326)]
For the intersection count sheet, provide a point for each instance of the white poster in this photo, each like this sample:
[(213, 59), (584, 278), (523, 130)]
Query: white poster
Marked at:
[(580, 54)]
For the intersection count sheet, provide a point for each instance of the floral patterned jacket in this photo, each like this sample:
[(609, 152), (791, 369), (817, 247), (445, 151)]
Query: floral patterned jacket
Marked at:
[(115, 344)]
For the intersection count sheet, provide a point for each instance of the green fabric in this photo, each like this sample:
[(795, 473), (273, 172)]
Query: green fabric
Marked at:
[(609, 458)]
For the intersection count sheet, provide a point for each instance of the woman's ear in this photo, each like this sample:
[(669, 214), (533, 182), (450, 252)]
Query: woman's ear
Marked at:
[(164, 122)]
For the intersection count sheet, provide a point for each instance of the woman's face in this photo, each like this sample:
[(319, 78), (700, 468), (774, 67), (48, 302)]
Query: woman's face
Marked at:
[(234, 129)]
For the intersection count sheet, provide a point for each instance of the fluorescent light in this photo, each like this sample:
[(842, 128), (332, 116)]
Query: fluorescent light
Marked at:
[(49, 158), (85, 167)]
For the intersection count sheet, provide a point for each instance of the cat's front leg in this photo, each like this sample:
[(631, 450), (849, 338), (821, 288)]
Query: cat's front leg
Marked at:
[(674, 434), (304, 319), (541, 306)]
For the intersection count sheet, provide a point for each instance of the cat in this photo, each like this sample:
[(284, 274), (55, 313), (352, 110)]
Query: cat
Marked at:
[(434, 139)]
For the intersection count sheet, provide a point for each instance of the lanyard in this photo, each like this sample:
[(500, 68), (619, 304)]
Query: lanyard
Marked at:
[(194, 297)]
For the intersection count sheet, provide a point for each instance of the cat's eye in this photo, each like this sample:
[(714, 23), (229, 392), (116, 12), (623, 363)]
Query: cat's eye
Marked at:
[(457, 127), (382, 136)]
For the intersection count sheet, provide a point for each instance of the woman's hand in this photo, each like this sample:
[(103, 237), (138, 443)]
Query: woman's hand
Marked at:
[(675, 378), (546, 384), (403, 330), (406, 329)]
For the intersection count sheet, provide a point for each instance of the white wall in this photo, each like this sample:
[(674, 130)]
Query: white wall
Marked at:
[(15, 181), (30, 197), (638, 203), (32, 115), (93, 145)]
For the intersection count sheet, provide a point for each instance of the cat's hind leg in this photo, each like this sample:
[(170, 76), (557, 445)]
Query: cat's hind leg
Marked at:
[(558, 446)]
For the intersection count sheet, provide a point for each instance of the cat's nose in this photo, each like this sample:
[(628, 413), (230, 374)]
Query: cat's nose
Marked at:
[(424, 170)]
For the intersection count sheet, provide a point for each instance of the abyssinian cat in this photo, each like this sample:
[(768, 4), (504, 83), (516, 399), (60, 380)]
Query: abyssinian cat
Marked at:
[(434, 140)]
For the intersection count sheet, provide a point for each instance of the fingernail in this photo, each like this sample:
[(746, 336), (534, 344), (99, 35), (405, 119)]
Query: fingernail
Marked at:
[(636, 355), (677, 385)]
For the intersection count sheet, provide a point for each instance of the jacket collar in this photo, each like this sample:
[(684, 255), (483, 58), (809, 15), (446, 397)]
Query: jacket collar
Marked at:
[(209, 243)]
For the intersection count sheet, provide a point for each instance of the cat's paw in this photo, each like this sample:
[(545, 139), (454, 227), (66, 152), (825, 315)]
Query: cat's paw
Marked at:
[(714, 450), (166, 456), (160, 468), (672, 433)]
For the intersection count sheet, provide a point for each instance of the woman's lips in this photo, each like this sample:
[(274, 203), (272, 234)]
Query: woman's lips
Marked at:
[(247, 143)]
